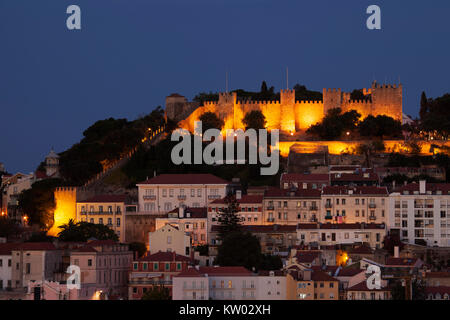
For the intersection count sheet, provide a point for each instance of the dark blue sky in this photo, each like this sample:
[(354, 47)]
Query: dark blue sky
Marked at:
[(130, 54)]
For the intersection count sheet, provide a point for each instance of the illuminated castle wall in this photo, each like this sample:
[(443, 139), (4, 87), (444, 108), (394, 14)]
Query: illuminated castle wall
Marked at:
[(290, 115)]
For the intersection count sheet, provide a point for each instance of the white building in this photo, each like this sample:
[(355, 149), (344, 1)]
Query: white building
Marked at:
[(5, 265), (421, 213), (228, 283), (173, 238), (166, 192)]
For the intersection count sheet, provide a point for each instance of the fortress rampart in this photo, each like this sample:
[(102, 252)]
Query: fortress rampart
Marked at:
[(289, 115)]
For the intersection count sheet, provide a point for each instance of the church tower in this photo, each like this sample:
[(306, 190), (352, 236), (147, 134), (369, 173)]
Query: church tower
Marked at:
[(52, 164)]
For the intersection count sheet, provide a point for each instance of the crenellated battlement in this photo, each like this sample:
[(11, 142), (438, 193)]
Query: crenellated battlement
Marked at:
[(317, 102), (361, 102), (333, 90)]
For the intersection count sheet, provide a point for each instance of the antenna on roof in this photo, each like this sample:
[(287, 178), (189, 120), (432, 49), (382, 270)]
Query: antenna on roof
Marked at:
[(287, 78), (226, 81)]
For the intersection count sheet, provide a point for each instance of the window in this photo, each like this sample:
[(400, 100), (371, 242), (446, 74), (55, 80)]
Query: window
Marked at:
[(91, 220), (230, 284), (167, 266), (199, 193), (337, 201), (169, 239), (357, 201), (9, 262), (178, 266), (109, 221), (144, 266), (357, 213), (1, 262), (118, 222), (28, 268), (171, 192), (100, 220), (118, 210), (110, 209), (100, 209), (155, 266), (192, 192), (89, 262), (343, 201), (135, 266), (331, 284), (164, 193)]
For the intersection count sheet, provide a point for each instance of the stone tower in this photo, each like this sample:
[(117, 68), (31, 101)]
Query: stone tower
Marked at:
[(332, 99), (52, 164), (287, 111), (66, 208), (387, 100)]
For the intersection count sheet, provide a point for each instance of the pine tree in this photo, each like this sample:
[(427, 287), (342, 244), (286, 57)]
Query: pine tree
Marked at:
[(228, 218), (423, 106), (264, 87)]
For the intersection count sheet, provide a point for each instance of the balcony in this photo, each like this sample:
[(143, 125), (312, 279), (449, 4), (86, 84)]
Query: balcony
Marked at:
[(213, 196), (313, 208), (270, 219), (181, 197), (328, 218), (149, 197), (372, 205), (328, 205), (270, 207), (98, 212), (372, 218), (150, 282)]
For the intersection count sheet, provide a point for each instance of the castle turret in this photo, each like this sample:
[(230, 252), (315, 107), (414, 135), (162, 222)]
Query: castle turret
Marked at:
[(52, 164), (387, 100), (66, 203), (332, 99)]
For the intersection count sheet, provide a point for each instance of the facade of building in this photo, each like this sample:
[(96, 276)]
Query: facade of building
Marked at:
[(34, 261), (420, 212), (249, 206), (291, 206), (170, 238), (342, 204), (193, 220), (104, 267), (108, 210), (153, 270), (360, 291), (304, 181), (306, 284), (5, 265), (166, 192), (328, 234)]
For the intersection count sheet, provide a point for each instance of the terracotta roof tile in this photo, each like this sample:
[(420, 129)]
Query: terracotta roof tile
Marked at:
[(186, 178), (106, 198), (164, 256)]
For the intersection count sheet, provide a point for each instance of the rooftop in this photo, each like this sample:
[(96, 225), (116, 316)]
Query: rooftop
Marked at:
[(362, 190), (164, 256), (187, 178), (106, 198), (245, 199)]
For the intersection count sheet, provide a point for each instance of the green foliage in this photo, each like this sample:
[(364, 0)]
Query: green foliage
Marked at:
[(82, 231), (254, 119), (380, 126), (301, 93), (270, 262), (105, 140), (435, 115), (417, 286), (358, 94), (38, 203), (211, 121), (334, 124), (138, 247), (240, 249), (228, 218), (157, 293), (40, 237), (8, 227), (423, 105), (203, 250)]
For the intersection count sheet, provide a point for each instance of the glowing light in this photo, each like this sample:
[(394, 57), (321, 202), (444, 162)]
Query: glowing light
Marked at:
[(348, 133), (25, 218)]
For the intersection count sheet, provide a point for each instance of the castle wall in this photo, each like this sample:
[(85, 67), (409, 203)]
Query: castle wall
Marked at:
[(387, 100), (307, 113), (66, 208)]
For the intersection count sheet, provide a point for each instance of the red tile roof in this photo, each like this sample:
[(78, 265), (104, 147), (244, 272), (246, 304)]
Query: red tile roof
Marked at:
[(164, 256), (433, 187), (244, 200), (225, 271), (6, 248), (270, 228), (435, 290), (341, 226), (190, 272), (322, 276), (366, 190), (401, 262), (35, 246), (197, 213), (97, 243), (85, 249), (437, 275), (366, 176), (186, 178), (106, 198), (349, 272), (362, 286), (285, 193)]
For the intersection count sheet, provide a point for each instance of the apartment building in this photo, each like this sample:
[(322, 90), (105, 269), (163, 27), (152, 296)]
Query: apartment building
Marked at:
[(291, 206), (327, 234), (108, 210), (420, 212), (104, 266), (163, 193), (11, 187), (363, 177), (307, 284), (304, 181), (171, 238), (34, 261), (6, 265), (228, 283), (361, 204), (360, 291), (249, 209), (193, 220), (153, 270)]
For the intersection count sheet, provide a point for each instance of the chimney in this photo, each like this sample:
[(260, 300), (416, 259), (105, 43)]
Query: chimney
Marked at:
[(422, 186), (396, 252), (238, 194), (181, 212)]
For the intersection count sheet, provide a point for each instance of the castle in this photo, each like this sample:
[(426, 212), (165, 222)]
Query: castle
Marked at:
[(288, 114)]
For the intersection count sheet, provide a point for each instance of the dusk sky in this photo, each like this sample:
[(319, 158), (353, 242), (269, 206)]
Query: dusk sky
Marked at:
[(131, 54)]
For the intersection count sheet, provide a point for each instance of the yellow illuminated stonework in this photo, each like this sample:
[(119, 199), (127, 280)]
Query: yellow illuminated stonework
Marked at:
[(66, 204)]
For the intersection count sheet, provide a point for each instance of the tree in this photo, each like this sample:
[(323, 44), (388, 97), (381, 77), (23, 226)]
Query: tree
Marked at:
[(139, 247), (38, 203), (423, 106), (264, 87), (335, 123), (157, 293), (228, 218), (7, 227), (417, 286), (380, 126), (240, 249), (437, 117), (211, 121), (82, 231), (254, 119), (358, 94)]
